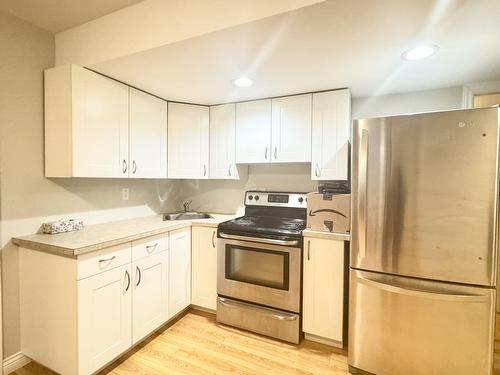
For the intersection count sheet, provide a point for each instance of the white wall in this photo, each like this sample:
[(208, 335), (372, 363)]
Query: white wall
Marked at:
[(411, 102), (27, 198), (226, 196)]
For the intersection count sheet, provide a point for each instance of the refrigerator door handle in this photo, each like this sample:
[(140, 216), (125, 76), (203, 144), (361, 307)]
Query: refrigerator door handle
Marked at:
[(361, 201), (424, 293)]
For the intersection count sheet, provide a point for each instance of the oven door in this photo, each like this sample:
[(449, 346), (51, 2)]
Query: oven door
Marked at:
[(259, 272)]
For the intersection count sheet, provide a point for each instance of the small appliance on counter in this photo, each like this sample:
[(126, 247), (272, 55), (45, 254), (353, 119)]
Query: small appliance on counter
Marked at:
[(328, 210)]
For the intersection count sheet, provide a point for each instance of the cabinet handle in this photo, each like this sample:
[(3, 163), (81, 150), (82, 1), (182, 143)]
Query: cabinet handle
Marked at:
[(317, 170), (213, 239), (308, 249), (204, 169), (265, 154), (275, 152), (151, 248), (138, 271), (107, 260), (127, 275), (124, 167), (134, 167), (229, 170)]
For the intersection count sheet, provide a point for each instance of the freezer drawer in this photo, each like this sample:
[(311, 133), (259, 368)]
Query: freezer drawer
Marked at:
[(400, 325)]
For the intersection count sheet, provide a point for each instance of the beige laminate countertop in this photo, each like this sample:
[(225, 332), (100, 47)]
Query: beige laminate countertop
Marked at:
[(327, 235), (100, 236)]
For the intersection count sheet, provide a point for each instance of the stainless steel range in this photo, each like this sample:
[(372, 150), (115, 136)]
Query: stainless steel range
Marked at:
[(259, 265)]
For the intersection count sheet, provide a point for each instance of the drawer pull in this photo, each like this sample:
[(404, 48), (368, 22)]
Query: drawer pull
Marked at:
[(107, 260), (235, 304), (151, 248)]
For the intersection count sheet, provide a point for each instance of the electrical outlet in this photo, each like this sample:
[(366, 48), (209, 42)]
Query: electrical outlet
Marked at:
[(125, 194)]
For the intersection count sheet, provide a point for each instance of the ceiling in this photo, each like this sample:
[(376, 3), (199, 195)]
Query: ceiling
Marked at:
[(59, 15), (337, 43)]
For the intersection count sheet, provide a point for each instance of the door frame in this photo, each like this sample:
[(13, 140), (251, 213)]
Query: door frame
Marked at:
[(478, 88)]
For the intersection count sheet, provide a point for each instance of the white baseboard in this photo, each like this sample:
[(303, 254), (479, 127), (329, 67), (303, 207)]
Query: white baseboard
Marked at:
[(14, 362)]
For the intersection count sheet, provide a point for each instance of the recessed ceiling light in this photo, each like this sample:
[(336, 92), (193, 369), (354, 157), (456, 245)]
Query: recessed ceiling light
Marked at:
[(243, 82), (420, 52)]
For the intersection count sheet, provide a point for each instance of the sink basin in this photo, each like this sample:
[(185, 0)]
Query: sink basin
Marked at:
[(186, 216)]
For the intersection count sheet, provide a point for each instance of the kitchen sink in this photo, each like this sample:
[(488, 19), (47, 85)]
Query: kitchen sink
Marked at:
[(186, 216)]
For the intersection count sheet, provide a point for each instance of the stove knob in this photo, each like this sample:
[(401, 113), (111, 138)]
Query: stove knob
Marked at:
[(256, 197), (301, 199), (250, 197)]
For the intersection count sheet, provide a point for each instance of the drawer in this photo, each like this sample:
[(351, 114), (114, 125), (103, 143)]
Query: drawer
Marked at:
[(266, 321), (103, 260), (149, 246)]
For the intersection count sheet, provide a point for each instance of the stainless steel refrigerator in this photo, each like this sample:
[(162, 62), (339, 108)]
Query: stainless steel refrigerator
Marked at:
[(424, 244)]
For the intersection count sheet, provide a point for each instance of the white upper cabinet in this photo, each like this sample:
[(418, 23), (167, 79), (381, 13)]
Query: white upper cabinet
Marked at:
[(222, 142), (86, 124), (188, 141), (331, 124), (148, 136), (253, 132), (291, 129)]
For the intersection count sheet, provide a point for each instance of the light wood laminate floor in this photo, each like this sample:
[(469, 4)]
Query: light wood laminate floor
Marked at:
[(196, 344)]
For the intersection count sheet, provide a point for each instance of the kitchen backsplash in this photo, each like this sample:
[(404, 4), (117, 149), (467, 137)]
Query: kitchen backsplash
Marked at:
[(226, 196)]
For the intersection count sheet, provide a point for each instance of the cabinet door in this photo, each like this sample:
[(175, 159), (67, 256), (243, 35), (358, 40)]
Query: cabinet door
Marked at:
[(291, 129), (188, 141), (253, 132), (148, 136), (104, 317), (204, 274), (179, 285), (223, 142), (323, 300), (100, 126), (150, 294), (331, 127)]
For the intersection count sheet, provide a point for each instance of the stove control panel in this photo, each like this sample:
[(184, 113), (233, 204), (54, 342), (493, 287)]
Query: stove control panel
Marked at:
[(275, 199)]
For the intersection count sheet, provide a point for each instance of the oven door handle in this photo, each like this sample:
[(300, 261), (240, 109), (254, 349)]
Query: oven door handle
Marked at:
[(258, 239)]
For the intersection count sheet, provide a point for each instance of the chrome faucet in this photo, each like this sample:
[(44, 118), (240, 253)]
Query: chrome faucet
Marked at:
[(186, 205)]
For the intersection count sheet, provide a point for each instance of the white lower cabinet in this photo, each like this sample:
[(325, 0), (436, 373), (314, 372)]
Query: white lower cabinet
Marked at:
[(204, 273), (150, 295), (105, 313), (323, 290), (179, 293), (77, 315)]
